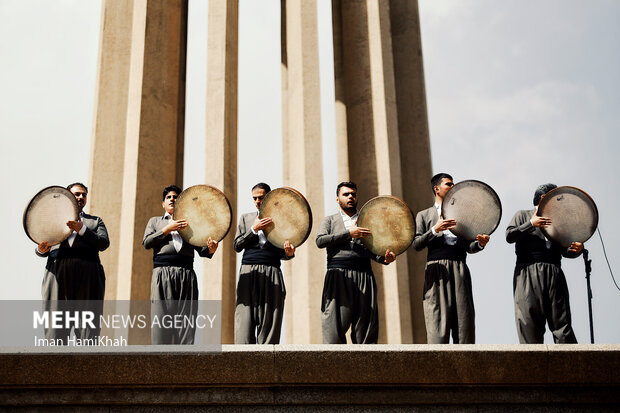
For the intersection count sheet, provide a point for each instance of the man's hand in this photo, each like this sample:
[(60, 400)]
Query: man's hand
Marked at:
[(540, 222), (212, 244), (44, 247), (357, 232), (389, 256), (444, 224), (289, 249), (483, 239), (261, 224), (575, 247), (75, 225), (174, 225)]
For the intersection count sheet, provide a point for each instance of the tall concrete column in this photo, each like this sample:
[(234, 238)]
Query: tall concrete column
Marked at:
[(367, 66), (287, 266), (137, 143), (415, 151), (221, 160), (109, 128), (340, 108), (153, 155), (302, 157)]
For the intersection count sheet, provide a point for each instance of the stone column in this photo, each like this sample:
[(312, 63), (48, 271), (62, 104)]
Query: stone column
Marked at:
[(287, 266), (221, 160), (340, 109), (153, 153), (109, 128), (366, 69), (415, 151), (303, 164)]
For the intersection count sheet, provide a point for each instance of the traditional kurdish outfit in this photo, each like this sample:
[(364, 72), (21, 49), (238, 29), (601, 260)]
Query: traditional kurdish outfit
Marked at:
[(448, 298), (74, 272), (260, 290), (350, 290), (174, 286), (539, 286)]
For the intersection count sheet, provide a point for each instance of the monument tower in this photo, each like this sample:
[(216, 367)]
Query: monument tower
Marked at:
[(382, 139)]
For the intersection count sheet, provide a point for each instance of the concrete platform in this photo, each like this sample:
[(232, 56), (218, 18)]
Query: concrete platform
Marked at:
[(423, 378)]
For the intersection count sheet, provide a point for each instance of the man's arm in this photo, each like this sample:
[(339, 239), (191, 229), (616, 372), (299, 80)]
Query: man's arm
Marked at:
[(575, 250), (97, 238), (43, 249), (203, 252), (423, 232), (518, 227), (152, 236), (474, 247), (288, 249), (324, 237), (209, 249), (386, 259), (244, 237)]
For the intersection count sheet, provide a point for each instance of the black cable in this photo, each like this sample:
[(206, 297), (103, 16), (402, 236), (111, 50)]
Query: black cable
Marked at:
[(605, 254)]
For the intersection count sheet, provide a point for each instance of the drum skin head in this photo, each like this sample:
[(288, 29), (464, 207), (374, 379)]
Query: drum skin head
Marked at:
[(291, 215), (390, 222), (573, 213), (476, 208), (207, 212), (47, 213)]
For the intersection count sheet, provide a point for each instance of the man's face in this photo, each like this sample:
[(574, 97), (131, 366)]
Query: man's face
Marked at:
[(442, 189), (258, 195), (80, 194), (347, 199), (169, 201)]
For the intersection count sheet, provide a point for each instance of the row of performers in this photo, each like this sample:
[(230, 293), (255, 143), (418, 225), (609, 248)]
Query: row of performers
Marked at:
[(349, 300)]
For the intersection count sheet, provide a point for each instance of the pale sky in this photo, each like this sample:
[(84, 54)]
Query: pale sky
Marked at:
[(519, 93)]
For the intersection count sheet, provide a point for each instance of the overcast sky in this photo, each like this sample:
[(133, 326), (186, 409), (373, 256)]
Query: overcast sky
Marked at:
[(519, 93)]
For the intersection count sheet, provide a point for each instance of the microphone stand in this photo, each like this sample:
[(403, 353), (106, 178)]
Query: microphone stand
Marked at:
[(588, 264)]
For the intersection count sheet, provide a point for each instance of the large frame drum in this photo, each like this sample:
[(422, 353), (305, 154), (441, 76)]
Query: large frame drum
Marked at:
[(207, 212), (573, 213), (475, 206), (46, 215), (290, 214), (390, 222)]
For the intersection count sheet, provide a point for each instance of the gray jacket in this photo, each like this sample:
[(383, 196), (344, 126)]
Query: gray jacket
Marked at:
[(246, 239), (340, 245), (424, 222), (163, 245)]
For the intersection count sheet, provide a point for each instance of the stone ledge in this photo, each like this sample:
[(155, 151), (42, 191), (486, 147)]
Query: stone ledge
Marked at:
[(314, 375), (313, 364)]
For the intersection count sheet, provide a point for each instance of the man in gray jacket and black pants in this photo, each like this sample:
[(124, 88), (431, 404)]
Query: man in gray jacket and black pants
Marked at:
[(74, 272), (350, 289), (448, 300), (260, 290), (174, 286), (539, 286)]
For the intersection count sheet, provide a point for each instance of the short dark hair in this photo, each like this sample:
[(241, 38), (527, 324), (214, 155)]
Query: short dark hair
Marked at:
[(436, 180), (263, 186), (542, 190), (347, 184), (77, 184), (171, 188)]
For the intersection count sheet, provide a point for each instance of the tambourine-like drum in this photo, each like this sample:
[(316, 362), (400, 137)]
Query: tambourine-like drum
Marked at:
[(47, 213), (291, 216), (207, 212), (390, 222), (574, 216), (476, 208)]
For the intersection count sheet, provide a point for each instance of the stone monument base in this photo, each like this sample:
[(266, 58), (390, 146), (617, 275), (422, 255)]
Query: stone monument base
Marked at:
[(421, 378)]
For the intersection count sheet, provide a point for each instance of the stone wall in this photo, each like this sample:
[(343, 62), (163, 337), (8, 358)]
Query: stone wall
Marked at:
[(314, 378)]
